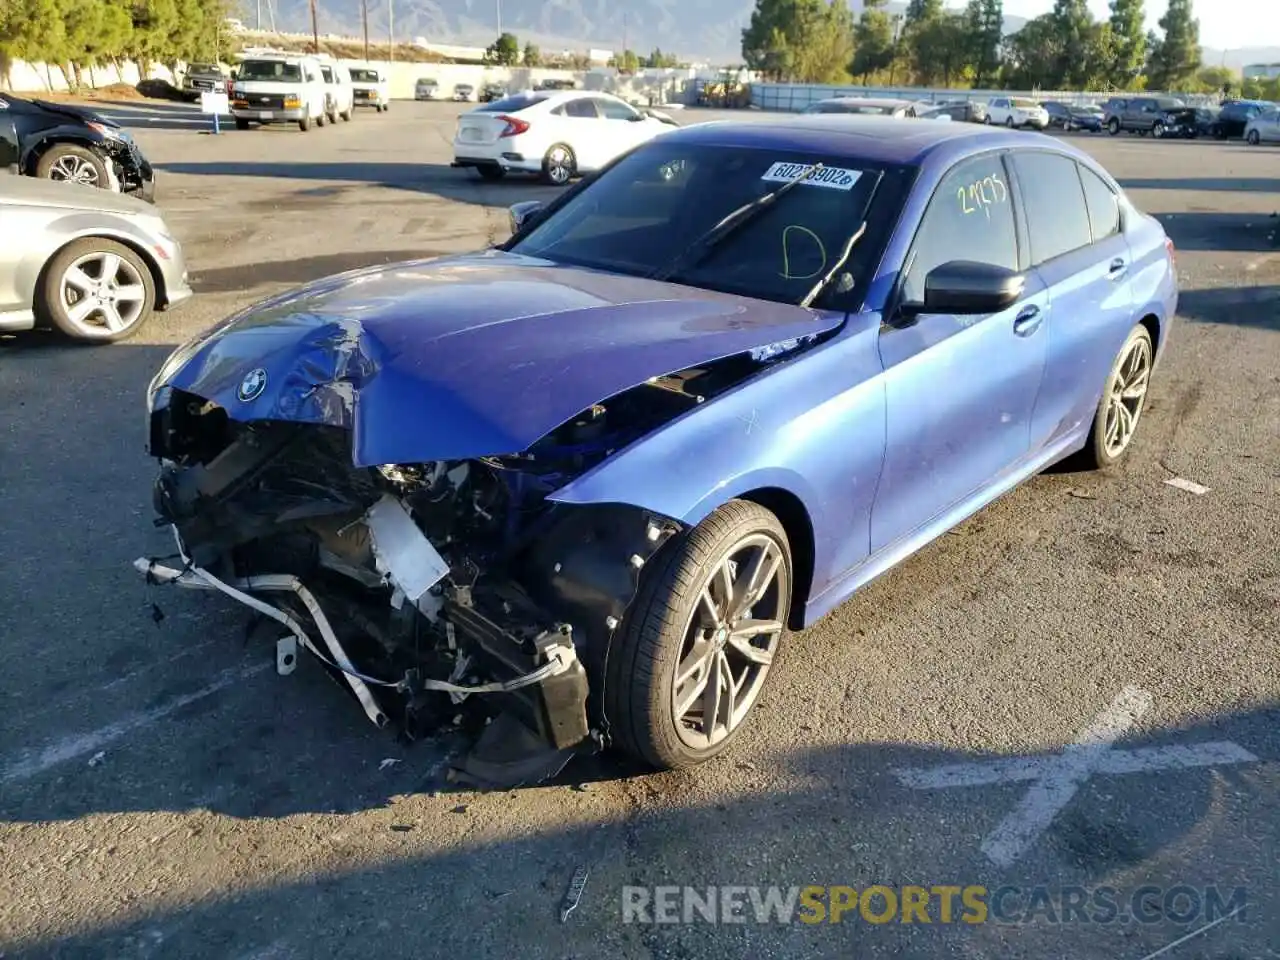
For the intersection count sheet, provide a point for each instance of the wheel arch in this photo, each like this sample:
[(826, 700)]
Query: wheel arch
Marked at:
[(147, 257), (36, 150), (794, 517)]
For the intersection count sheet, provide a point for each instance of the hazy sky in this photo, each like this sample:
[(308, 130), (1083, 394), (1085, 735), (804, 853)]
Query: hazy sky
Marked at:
[(1223, 23)]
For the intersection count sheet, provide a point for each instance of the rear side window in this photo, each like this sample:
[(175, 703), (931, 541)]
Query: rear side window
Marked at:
[(1103, 205), (1057, 217), (969, 218), (511, 104)]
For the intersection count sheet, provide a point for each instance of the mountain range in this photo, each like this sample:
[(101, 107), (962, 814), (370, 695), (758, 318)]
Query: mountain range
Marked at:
[(693, 29)]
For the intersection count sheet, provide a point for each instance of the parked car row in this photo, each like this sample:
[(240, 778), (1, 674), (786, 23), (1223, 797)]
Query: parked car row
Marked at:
[(277, 86)]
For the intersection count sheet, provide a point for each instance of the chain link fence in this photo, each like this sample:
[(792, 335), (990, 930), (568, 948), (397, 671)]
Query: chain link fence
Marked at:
[(794, 97)]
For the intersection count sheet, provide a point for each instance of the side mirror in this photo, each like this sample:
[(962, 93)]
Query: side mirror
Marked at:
[(965, 287), (519, 214)]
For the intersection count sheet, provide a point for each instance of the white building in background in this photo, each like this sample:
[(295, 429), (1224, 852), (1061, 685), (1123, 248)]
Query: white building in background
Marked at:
[(1261, 71), (601, 57)]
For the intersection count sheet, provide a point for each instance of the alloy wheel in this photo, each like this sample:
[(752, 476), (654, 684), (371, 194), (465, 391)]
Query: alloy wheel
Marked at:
[(559, 165), (1128, 394), (730, 641), (103, 294), (74, 169)]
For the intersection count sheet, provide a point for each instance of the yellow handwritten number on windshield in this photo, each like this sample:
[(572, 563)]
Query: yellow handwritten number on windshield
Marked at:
[(982, 195), (786, 253)]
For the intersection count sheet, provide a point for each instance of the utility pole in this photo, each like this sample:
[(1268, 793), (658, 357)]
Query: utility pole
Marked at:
[(364, 19), (315, 29), (391, 30), (499, 4), (259, 16)]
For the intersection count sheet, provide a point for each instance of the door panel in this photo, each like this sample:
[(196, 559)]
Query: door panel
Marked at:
[(959, 390), (1067, 207)]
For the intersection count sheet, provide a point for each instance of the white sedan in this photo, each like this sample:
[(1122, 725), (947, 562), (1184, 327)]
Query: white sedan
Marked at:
[(555, 134)]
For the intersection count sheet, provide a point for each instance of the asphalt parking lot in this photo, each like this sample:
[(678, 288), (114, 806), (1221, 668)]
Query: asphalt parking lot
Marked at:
[(164, 794)]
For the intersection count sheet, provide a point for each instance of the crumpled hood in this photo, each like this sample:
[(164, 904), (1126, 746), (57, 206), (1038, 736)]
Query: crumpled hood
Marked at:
[(478, 355)]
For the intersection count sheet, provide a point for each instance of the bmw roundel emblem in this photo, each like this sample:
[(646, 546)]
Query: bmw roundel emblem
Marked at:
[(251, 387)]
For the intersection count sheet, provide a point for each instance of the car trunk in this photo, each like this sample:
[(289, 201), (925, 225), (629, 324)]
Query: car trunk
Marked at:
[(481, 127)]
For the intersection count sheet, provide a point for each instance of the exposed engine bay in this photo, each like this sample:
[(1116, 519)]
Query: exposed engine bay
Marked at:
[(429, 590)]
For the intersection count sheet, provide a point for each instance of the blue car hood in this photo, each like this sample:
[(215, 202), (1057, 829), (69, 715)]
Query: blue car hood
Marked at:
[(469, 356)]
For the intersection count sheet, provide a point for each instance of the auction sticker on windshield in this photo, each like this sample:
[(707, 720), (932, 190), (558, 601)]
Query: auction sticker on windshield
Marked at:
[(832, 177)]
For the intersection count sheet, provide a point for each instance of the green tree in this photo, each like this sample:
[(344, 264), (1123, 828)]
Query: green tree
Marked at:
[(1176, 57), (921, 37), (504, 51), (939, 50), (810, 41), (628, 62), (1077, 43), (659, 59), (872, 41), (1032, 55), (154, 24), (1128, 41), (983, 28), (532, 55)]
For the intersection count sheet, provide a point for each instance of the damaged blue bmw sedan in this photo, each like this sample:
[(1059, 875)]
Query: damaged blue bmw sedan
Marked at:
[(577, 487)]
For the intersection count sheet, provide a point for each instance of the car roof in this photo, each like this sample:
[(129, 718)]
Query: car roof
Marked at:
[(885, 140)]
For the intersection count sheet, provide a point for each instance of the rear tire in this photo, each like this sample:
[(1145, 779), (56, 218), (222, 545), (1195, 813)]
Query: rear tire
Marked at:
[(671, 626), (1253, 139), (1113, 126), (346, 115), (242, 124), (1127, 383)]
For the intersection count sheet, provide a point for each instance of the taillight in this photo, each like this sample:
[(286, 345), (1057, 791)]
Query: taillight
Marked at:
[(1169, 248), (514, 127)]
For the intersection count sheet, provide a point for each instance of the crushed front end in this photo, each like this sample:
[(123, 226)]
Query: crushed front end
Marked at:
[(431, 591)]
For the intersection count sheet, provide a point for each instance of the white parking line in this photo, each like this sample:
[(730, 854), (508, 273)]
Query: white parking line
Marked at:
[(1055, 779), (78, 745)]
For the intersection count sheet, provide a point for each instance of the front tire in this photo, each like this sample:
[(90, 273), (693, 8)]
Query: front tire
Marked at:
[(1124, 398), (1157, 130), (346, 115), (559, 165), (1008, 122), (305, 123), (693, 655), (242, 124), (1254, 138), (96, 290), (69, 163)]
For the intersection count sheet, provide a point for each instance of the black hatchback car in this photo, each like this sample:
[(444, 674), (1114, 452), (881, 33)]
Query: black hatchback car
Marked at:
[(55, 141)]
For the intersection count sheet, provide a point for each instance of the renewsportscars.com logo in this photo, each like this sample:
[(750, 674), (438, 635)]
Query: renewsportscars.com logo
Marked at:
[(941, 903)]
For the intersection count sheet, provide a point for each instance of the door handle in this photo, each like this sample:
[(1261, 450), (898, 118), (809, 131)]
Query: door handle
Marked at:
[(1117, 269), (1027, 320)]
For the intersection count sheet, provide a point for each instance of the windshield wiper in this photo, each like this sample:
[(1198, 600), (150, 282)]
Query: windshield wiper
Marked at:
[(728, 224), (845, 251)]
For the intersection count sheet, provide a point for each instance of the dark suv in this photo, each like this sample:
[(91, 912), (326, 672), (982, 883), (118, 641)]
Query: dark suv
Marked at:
[(1141, 115), (55, 141), (1235, 116)]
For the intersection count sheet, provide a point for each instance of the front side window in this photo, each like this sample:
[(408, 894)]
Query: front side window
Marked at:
[(969, 218), (613, 109), (644, 214), (1057, 216), (328, 75), (1103, 205)]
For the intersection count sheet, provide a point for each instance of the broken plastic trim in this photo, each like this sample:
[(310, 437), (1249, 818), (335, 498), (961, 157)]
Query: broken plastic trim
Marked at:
[(560, 657)]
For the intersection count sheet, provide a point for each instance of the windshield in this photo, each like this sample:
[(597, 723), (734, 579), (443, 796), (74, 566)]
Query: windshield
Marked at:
[(365, 76), (202, 68), (642, 213), (426, 83), (274, 70), (1025, 104)]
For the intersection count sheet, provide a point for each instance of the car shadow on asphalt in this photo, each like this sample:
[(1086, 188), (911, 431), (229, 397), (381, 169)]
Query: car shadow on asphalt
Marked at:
[(303, 270), (1213, 184), (392, 881), (433, 178), (1241, 306), (1223, 232)]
